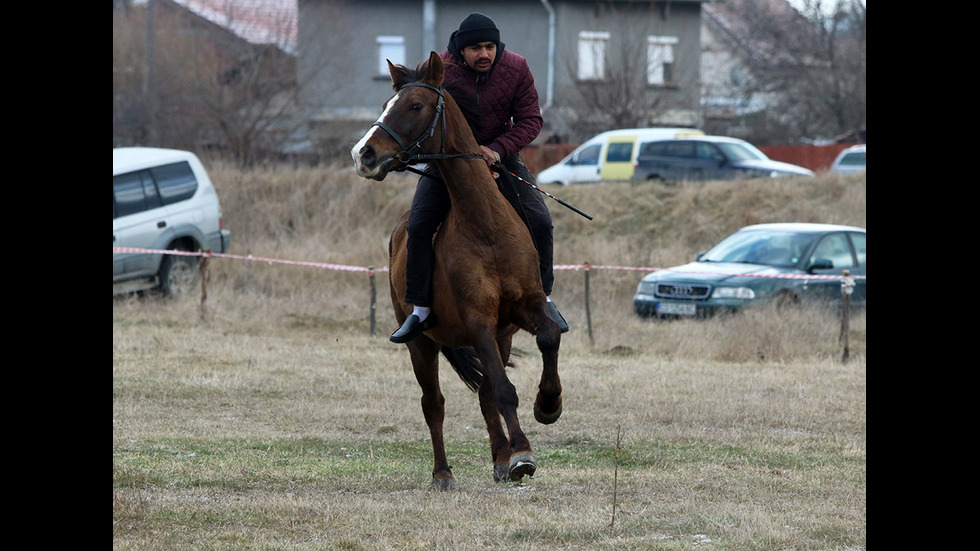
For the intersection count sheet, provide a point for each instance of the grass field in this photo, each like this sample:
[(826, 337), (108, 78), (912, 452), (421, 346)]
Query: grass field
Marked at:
[(272, 419)]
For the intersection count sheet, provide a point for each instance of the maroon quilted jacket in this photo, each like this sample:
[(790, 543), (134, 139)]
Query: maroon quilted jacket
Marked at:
[(504, 98)]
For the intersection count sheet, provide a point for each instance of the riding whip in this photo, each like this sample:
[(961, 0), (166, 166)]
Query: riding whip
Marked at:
[(500, 167)]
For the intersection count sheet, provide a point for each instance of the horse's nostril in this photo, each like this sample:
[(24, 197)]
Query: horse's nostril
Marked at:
[(367, 154)]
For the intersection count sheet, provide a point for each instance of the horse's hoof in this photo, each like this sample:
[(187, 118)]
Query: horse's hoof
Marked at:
[(501, 472), (546, 418), (443, 483), (521, 463)]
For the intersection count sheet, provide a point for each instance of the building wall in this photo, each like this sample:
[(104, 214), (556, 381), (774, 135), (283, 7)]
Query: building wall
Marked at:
[(628, 26), (350, 93)]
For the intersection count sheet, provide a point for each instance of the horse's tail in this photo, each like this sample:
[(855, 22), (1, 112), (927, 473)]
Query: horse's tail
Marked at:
[(467, 365)]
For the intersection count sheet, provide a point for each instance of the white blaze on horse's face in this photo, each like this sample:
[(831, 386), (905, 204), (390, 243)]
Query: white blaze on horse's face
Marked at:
[(360, 168)]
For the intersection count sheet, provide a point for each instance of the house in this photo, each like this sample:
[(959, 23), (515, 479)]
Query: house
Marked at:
[(748, 67), (255, 21), (597, 64), (197, 74)]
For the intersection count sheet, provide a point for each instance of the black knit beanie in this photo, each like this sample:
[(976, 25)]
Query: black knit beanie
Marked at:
[(474, 29)]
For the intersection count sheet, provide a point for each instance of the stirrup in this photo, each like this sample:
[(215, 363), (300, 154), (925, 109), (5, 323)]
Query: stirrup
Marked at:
[(556, 316), (412, 328)]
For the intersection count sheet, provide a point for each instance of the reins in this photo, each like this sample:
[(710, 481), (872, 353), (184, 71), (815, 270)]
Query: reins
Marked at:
[(502, 168), (407, 155)]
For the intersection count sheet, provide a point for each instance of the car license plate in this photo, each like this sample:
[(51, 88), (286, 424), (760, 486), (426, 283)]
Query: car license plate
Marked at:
[(676, 308)]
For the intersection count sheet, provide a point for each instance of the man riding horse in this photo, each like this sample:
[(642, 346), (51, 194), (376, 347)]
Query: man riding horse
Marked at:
[(480, 72)]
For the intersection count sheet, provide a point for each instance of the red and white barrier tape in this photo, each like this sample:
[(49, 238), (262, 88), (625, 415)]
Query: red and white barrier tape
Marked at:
[(347, 268), (322, 265), (646, 269)]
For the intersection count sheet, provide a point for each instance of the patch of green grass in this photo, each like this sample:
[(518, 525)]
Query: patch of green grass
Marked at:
[(240, 464), (276, 422)]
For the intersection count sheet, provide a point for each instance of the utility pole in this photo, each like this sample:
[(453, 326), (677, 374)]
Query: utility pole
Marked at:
[(149, 74)]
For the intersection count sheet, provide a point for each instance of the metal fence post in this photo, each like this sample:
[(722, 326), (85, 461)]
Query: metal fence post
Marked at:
[(846, 288), (205, 274), (373, 297), (588, 308)]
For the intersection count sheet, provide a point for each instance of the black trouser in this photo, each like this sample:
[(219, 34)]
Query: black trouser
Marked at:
[(430, 206)]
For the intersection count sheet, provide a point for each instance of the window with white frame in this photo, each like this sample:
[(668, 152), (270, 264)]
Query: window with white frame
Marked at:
[(592, 55), (390, 48), (738, 77), (660, 60)]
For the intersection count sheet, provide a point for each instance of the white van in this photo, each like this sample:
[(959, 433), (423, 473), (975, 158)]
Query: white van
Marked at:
[(608, 156), (162, 199)]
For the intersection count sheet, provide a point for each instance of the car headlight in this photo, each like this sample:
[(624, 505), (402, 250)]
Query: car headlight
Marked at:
[(743, 293)]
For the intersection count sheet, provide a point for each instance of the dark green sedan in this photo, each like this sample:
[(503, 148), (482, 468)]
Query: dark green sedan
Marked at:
[(785, 263)]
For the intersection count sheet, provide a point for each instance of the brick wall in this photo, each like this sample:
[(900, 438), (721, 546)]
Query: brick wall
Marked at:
[(815, 157)]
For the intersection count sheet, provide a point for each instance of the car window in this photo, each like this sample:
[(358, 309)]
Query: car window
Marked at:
[(707, 152), (588, 156), (738, 152), (133, 192), (860, 242), (619, 152), (772, 248), (834, 247), (176, 182), (653, 148), (679, 149), (857, 158)]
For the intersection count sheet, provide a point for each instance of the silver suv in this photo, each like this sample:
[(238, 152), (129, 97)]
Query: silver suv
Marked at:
[(162, 199)]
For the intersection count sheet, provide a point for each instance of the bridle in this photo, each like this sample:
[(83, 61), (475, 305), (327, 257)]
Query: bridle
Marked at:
[(407, 155)]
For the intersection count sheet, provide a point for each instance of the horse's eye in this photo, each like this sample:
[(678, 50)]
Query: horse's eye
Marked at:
[(417, 107)]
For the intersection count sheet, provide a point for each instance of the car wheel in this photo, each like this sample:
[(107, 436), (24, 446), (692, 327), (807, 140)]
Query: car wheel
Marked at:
[(178, 275), (658, 179), (786, 301)]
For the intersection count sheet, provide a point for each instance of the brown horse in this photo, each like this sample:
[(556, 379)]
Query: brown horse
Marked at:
[(487, 284)]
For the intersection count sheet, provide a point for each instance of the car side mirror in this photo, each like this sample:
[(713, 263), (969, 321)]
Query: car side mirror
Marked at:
[(820, 264)]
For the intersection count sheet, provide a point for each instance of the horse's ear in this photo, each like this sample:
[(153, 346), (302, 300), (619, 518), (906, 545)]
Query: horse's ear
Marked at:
[(434, 71), (399, 74)]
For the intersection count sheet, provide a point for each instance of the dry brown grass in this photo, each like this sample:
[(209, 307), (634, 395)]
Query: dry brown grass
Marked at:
[(275, 421)]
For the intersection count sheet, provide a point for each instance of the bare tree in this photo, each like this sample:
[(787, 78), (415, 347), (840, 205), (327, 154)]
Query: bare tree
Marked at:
[(813, 64), (182, 81), (618, 94)]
